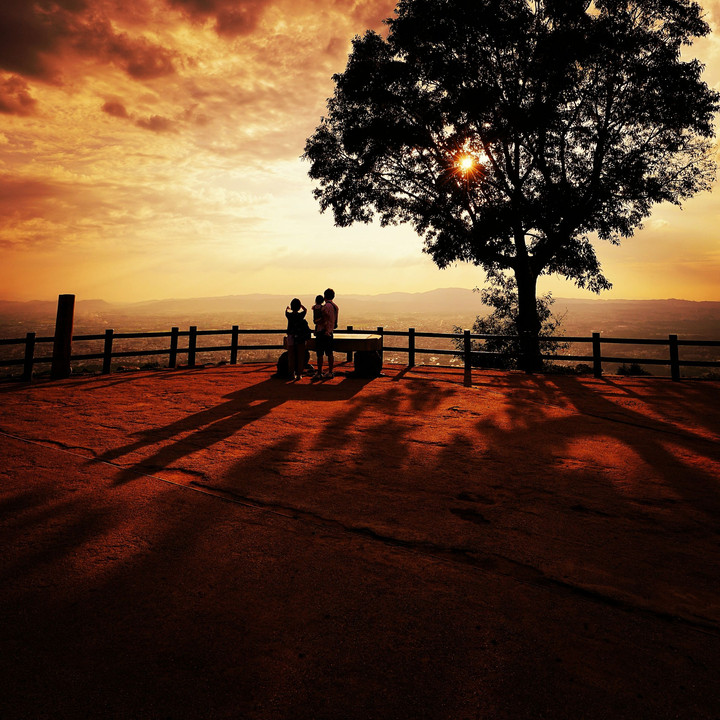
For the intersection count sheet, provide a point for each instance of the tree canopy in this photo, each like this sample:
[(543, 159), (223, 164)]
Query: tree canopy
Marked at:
[(511, 133)]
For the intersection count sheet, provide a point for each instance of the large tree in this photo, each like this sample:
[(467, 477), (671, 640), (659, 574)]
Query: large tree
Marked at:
[(512, 133)]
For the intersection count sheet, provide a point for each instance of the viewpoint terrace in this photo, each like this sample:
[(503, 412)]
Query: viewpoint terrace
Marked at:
[(218, 543)]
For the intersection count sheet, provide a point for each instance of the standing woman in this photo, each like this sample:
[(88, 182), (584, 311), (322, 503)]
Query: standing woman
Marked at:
[(298, 333)]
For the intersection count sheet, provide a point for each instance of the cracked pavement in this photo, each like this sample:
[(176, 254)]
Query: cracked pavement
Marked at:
[(218, 543)]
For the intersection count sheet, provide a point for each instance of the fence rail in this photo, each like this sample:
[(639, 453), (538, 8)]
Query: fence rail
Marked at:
[(463, 351)]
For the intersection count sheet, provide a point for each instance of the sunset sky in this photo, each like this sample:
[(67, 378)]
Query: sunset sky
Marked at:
[(150, 149)]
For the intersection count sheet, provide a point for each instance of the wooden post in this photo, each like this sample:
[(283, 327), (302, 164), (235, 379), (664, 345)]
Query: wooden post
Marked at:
[(192, 343), (349, 357), (174, 335), (107, 351), (234, 345), (467, 350), (62, 347), (411, 347), (597, 356), (674, 358), (381, 331), (29, 356)]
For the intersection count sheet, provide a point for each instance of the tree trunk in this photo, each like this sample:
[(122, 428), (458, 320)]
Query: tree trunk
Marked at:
[(528, 322)]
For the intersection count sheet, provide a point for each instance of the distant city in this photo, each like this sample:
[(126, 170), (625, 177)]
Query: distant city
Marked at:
[(433, 309)]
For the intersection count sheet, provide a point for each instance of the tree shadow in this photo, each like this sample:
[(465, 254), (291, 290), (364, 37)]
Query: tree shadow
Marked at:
[(660, 443)]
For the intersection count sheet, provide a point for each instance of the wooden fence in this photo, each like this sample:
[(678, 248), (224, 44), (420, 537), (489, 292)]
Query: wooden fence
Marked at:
[(232, 345)]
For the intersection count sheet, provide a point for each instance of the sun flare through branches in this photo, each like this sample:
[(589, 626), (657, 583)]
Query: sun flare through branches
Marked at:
[(465, 163), (469, 166)]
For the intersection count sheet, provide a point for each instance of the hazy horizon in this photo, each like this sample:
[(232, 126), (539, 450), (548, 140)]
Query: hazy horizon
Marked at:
[(310, 295)]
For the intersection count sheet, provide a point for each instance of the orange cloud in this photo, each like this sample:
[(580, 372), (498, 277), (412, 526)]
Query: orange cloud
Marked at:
[(157, 123), (115, 108), (15, 98), (138, 57), (25, 201), (232, 17), (16, 193)]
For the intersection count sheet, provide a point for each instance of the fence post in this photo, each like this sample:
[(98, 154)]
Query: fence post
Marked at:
[(350, 353), (234, 345), (411, 347), (467, 350), (674, 358), (597, 355), (107, 352), (172, 357), (29, 356), (192, 343), (62, 346), (381, 331)]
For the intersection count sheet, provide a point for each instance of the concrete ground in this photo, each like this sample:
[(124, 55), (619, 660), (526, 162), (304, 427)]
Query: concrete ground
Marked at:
[(218, 543)]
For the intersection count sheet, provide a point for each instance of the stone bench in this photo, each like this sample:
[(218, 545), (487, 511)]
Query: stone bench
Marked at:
[(366, 349)]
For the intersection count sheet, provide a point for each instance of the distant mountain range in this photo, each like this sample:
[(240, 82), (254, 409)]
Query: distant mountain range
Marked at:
[(635, 318), (445, 301)]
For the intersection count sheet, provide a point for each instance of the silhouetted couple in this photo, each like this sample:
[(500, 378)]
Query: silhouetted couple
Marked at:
[(325, 317)]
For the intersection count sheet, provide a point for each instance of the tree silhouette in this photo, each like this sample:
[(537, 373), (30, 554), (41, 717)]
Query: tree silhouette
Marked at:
[(513, 134), (503, 349)]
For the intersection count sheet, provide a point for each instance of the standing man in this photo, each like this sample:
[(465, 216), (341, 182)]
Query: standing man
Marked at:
[(324, 336)]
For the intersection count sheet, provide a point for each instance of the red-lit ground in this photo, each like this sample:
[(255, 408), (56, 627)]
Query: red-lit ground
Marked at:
[(217, 543)]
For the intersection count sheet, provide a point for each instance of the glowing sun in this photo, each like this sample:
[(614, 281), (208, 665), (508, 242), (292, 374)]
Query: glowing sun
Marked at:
[(465, 163)]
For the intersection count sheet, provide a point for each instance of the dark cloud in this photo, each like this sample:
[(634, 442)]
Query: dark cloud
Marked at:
[(28, 37), (15, 98), (237, 21), (14, 189), (34, 36), (157, 123), (71, 5), (142, 60), (198, 7), (232, 17), (115, 108), (136, 56)]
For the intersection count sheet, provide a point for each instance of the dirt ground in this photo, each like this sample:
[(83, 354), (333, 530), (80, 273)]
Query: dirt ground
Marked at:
[(219, 543)]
